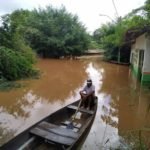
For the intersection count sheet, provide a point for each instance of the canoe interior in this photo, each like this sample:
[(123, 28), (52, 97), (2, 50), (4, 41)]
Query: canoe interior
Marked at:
[(55, 127)]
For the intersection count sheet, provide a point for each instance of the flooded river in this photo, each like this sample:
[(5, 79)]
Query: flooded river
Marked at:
[(123, 105)]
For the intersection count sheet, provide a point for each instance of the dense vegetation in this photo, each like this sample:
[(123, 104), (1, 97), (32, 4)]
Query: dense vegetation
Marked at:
[(16, 57), (14, 64), (56, 33), (47, 32), (112, 36)]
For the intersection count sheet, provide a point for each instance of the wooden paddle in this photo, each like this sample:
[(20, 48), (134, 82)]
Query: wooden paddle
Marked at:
[(70, 125)]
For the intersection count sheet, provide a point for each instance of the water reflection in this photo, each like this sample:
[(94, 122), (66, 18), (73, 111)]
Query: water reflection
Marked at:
[(104, 133), (110, 113), (59, 85), (29, 109), (123, 105)]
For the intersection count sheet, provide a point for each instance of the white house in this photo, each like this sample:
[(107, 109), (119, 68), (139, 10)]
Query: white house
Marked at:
[(140, 58)]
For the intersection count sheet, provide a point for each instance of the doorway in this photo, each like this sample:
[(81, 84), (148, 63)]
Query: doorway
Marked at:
[(141, 59)]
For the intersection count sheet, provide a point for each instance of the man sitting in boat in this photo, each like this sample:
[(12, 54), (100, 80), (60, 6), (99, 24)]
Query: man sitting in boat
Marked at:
[(87, 95)]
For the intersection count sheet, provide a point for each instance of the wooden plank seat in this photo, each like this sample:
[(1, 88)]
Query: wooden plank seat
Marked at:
[(75, 124), (80, 109), (54, 133), (65, 126)]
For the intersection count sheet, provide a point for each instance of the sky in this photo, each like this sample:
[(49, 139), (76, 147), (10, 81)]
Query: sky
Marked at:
[(88, 11)]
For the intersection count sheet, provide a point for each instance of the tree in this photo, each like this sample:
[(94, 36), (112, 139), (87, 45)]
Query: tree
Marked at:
[(55, 33), (111, 36), (16, 57), (147, 9), (48, 32), (14, 65)]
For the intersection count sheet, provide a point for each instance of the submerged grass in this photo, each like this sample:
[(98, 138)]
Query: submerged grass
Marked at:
[(137, 139), (8, 85), (131, 140)]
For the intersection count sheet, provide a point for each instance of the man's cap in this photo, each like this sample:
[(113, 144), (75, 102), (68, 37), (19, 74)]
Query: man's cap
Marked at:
[(89, 81)]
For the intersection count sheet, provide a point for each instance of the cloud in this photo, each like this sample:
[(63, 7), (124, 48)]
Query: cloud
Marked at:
[(8, 6), (87, 10)]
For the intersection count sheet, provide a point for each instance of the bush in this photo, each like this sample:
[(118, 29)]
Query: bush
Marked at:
[(14, 64)]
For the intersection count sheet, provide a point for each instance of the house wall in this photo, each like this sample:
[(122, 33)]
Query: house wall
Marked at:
[(146, 63), (140, 44)]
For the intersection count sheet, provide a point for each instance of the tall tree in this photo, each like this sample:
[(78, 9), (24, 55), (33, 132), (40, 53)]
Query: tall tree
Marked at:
[(55, 32), (16, 57), (111, 36)]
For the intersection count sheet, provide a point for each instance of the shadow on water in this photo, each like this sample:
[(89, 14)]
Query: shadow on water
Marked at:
[(123, 105)]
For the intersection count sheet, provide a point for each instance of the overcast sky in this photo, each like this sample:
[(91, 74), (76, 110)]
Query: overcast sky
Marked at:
[(87, 10)]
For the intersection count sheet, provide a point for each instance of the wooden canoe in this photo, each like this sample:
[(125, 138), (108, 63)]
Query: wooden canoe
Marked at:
[(52, 132)]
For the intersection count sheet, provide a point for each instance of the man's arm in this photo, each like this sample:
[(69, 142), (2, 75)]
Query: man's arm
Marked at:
[(83, 93)]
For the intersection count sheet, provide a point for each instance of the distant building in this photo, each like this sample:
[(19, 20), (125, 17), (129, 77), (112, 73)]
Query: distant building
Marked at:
[(140, 54)]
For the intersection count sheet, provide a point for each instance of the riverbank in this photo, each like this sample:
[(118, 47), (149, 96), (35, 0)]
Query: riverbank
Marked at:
[(90, 56), (8, 85)]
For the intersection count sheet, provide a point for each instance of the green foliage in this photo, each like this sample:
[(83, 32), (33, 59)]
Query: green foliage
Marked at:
[(14, 65), (49, 32), (5, 34), (136, 139), (147, 9), (55, 32), (93, 45), (8, 85), (16, 57), (12, 30), (111, 36)]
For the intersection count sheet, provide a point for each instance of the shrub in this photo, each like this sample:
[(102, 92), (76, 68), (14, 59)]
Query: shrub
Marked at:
[(14, 64)]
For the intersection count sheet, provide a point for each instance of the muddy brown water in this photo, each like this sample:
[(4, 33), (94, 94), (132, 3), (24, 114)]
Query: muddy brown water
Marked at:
[(123, 105)]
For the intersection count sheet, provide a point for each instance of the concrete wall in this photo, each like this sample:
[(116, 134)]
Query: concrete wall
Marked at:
[(146, 63), (134, 60), (142, 43)]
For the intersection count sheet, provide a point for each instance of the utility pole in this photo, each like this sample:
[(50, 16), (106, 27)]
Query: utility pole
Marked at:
[(119, 22), (115, 8)]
